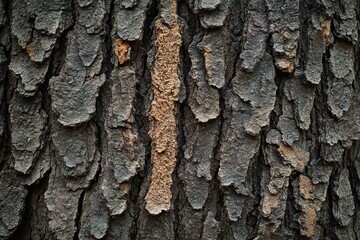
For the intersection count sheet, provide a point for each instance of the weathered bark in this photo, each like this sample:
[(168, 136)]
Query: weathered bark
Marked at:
[(196, 119)]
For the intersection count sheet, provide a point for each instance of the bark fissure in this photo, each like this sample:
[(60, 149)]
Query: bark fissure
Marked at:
[(78, 215), (142, 104)]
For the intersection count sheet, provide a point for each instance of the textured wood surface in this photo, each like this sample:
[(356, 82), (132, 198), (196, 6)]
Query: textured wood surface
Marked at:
[(195, 119)]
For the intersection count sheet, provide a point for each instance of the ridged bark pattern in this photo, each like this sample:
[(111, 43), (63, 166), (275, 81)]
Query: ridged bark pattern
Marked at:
[(195, 119)]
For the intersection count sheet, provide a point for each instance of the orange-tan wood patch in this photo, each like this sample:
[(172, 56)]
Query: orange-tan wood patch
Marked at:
[(326, 30), (163, 130), (122, 50)]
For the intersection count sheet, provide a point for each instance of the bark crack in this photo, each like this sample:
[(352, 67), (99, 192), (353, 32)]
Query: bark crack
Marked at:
[(78, 215)]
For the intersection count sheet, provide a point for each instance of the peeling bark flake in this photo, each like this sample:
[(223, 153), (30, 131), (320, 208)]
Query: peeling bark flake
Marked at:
[(295, 156)]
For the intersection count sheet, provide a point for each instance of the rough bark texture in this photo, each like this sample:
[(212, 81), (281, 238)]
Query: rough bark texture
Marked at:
[(196, 119)]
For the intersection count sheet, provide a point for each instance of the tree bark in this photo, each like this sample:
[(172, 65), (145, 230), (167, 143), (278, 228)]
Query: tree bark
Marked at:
[(196, 119)]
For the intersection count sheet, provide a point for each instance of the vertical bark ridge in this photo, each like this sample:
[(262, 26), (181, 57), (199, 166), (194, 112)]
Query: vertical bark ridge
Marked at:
[(163, 131)]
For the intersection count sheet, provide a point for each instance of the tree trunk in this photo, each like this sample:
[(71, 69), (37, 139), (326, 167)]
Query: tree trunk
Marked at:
[(197, 119)]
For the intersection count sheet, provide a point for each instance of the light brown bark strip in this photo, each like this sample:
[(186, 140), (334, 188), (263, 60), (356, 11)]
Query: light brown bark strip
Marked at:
[(166, 85)]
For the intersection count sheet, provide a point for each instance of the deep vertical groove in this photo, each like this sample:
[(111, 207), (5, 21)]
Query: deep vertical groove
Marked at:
[(141, 116), (290, 211), (218, 194), (187, 21), (7, 95), (352, 155), (178, 187), (24, 229), (304, 16), (78, 215), (236, 36), (330, 231), (258, 167)]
